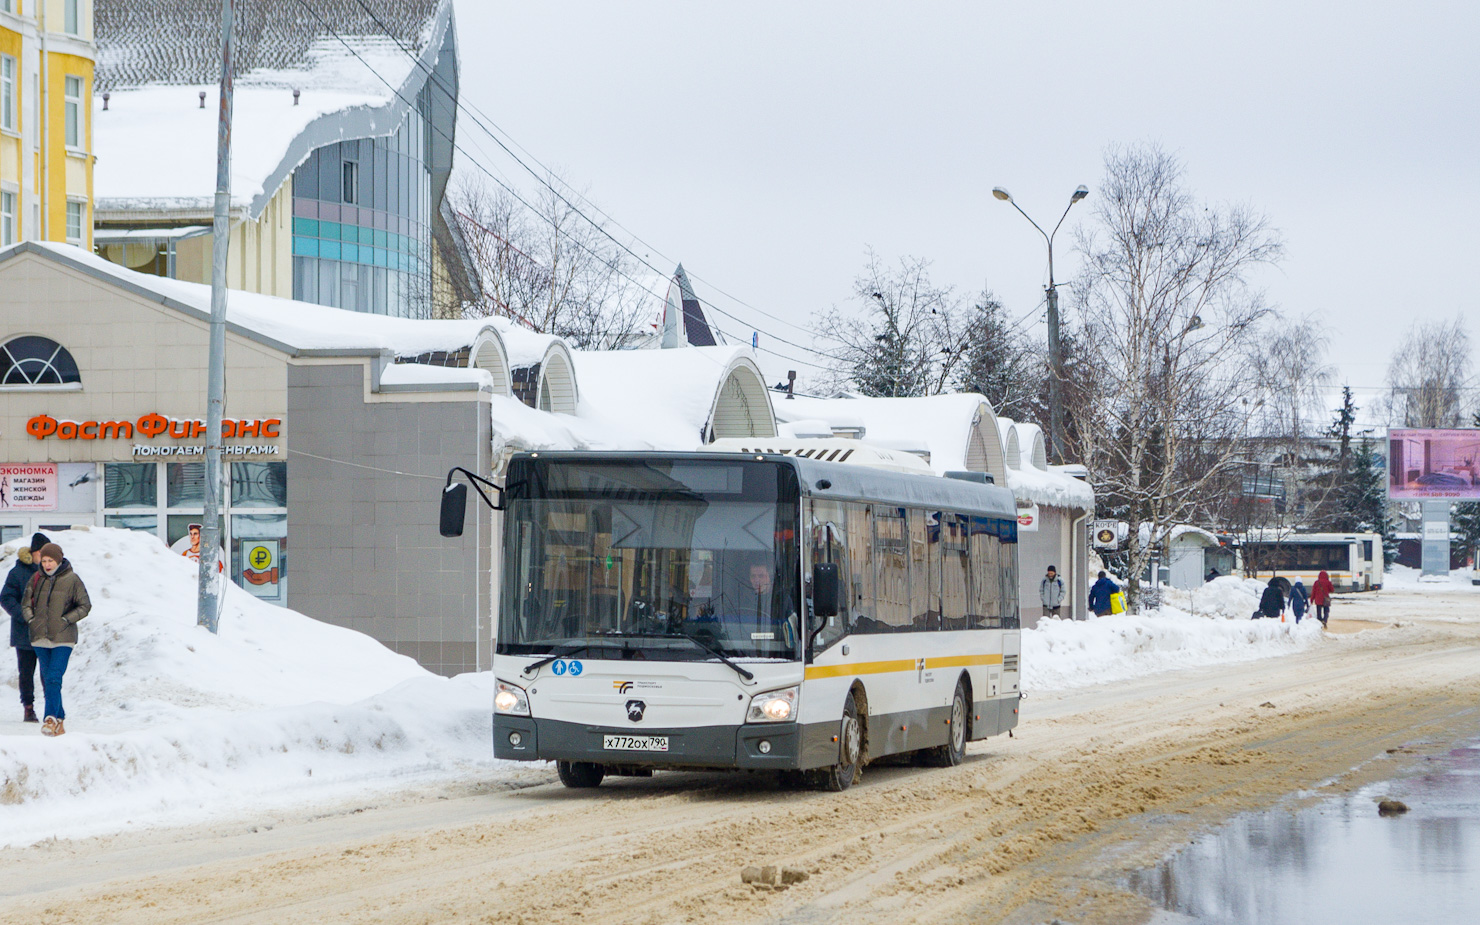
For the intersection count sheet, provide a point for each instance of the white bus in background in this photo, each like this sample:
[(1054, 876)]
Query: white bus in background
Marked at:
[(756, 611), (1353, 560)]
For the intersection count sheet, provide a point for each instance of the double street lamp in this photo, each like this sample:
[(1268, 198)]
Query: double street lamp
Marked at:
[(1055, 350)]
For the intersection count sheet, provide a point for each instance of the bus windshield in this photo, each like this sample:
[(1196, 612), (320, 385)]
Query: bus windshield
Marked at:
[(623, 559)]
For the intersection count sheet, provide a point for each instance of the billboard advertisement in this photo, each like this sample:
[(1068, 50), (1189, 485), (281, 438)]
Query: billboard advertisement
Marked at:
[(1434, 465)]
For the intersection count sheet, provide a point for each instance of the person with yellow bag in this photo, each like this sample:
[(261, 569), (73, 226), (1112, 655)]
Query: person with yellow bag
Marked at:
[(1102, 595)]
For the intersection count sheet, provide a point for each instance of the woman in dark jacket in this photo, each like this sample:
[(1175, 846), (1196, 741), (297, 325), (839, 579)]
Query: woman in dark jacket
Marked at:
[(1100, 593), (1299, 600), (1272, 604), (54, 602), (20, 634)]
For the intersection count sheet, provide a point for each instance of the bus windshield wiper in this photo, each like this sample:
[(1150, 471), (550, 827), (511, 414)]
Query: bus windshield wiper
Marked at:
[(569, 650), (715, 651)]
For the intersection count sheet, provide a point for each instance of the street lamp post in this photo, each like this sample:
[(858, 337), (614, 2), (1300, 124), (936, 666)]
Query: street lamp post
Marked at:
[(1055, 349)]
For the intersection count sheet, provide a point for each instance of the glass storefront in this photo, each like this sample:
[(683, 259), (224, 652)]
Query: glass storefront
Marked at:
[(254, 520), (362, 214)]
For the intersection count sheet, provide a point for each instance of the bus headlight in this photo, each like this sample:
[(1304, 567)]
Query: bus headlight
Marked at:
[(511, 700), (773, 706)]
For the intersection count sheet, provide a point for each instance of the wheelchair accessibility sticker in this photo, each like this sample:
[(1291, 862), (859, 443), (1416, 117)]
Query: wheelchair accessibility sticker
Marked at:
[(561, 666)]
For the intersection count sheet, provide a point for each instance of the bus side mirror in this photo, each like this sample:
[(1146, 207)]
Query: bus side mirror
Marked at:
[(454, 508), (826, 589)]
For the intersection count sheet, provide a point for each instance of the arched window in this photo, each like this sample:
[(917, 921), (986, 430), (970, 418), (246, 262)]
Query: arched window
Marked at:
[(33, 360)]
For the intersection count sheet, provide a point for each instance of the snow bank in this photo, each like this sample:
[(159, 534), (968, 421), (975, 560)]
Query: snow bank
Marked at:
[(1402, 578), (167, 723), (1059, 654), (1231, 596)]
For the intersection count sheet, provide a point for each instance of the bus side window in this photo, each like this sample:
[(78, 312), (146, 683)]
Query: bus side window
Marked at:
[(924, 531), (860, 583), (892, 571), (830, 543), (984, 606), (955, 571)]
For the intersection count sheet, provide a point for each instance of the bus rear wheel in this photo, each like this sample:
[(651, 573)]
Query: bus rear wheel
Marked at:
[(954, 751), (849, 768), (580, 774)]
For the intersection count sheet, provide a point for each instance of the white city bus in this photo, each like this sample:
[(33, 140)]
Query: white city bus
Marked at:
[(1352, 560), (703, 610)]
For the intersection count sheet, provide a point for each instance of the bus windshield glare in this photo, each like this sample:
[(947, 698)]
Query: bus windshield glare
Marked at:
[(624, 559)]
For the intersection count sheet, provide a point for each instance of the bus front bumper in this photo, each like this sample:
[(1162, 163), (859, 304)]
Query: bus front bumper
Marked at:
[(773, 746)]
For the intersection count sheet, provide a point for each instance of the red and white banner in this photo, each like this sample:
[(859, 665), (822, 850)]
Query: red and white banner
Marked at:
[(28, 487)]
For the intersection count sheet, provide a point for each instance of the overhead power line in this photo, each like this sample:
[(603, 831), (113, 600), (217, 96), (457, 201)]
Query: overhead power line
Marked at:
[(524, 202)]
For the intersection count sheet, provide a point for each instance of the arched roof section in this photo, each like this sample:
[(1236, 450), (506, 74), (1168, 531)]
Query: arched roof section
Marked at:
[(489, 354), (674, 399), (1030, 443), (1007, 431), (742, 403), (558, 392), (984, 446)]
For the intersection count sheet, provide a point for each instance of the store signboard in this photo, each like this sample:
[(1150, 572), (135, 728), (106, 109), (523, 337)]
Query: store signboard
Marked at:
[(1027, 518), (1106, 534), (1433, 464), (28, 487)]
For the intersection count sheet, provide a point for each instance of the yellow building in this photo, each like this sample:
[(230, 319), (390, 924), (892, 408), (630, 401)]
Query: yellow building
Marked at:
[(47, 55)]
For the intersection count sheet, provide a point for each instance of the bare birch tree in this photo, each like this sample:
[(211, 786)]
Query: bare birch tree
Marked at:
[(1430, 375), (1168, 314), (550, 269), (902, 335)]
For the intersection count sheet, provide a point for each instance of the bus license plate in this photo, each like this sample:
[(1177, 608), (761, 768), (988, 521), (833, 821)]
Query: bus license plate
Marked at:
[(635, 743)]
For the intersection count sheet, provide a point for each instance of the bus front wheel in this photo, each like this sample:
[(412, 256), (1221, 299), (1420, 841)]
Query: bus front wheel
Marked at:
[(580, 774), (849, 768)]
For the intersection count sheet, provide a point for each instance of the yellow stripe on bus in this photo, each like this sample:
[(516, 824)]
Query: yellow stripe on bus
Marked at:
[(838, 671), (961, 661), (899, 664)]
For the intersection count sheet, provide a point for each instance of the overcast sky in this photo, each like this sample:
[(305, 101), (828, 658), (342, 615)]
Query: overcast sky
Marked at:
[(767, 145)]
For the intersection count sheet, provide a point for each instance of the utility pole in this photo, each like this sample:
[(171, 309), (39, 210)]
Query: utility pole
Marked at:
[(1055, 346), (208, 607)]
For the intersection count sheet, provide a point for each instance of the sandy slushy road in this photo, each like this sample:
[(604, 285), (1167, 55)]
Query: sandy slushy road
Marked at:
[(1029, 829)]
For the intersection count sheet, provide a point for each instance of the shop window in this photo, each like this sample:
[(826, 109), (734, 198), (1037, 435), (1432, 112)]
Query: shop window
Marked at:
[(259, 484), (185, 484), (144, 523), (72, 111), (36, 361), (130, 485)]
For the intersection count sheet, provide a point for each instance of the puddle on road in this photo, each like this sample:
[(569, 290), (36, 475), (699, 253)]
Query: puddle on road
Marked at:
[(1338, 861)]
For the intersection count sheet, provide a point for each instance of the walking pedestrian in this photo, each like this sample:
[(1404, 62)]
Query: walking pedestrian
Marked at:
[(1299, 600), (54, 602), (1099, 595), (1320, 596), (1272, 603), (20, 633), (1051, 592)]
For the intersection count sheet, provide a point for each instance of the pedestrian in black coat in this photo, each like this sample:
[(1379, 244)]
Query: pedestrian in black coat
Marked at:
[(1272, 603), (20, 634)]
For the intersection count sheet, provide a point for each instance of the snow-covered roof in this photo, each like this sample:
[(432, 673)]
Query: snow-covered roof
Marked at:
[(291, 326), (1030, 445), (675, 399), (829, 449), (955, 431), (156, 56), (1182, 534)]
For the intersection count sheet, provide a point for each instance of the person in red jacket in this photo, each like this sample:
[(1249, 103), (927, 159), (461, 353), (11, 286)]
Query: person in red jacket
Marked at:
[(1320, 596)]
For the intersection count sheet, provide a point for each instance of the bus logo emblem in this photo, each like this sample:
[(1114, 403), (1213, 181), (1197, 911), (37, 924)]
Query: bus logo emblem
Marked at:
[(622, 686), (635, 709)]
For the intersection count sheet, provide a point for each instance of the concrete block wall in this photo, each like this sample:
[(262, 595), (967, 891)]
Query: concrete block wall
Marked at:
[(366, 550)]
